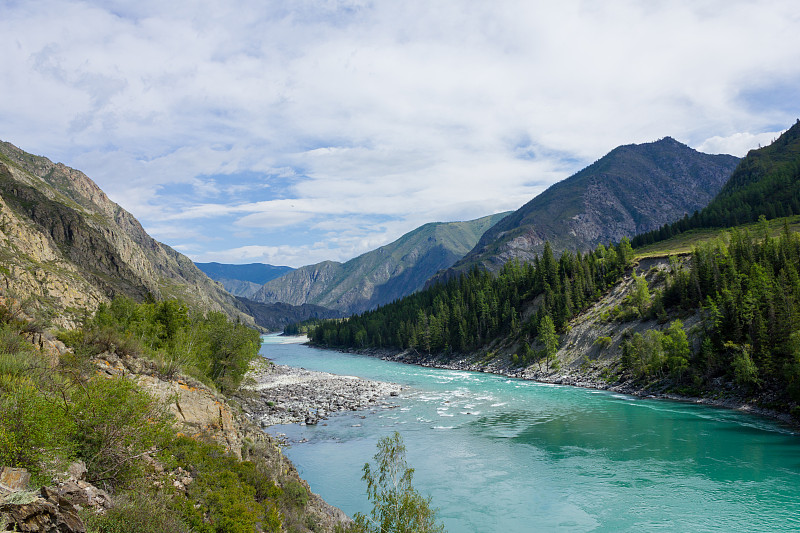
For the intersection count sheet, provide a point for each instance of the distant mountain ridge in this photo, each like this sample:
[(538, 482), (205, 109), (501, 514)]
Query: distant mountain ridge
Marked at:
[(632, 189), (243, 280), (382, 275), (66, 245), (276, 316), (258, 273)]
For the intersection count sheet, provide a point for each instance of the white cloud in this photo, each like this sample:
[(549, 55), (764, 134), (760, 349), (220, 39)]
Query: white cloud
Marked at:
[(738, 144), (401, 111)]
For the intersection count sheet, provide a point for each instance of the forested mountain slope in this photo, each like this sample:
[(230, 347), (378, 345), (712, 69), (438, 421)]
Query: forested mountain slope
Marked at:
[(722, 321), (380, 276), (65, 244), (633, 189)]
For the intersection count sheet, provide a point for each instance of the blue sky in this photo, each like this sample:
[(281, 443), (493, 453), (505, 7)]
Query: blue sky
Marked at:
[(294, 132)]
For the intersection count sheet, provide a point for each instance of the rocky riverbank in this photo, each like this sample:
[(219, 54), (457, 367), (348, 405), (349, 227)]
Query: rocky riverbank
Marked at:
[(592, 378), (279, 394)]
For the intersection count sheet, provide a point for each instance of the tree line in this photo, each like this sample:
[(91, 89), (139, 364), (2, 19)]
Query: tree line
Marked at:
[(748, 293), (468, 312)]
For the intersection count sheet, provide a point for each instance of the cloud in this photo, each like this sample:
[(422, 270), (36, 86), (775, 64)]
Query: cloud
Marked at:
[(738, 144), (282, 123)]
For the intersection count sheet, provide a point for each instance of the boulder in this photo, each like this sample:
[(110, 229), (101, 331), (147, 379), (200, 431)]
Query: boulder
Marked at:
[(46, 513), (13, 479)]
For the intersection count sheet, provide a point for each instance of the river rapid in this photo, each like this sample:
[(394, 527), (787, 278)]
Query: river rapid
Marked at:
[(501, 454)]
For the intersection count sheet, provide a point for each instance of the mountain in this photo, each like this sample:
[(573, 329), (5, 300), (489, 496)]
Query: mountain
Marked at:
[(380, 276), (276, 316), (238, 287), (766, 182), (68, 247), (242, 280), (632, 189)]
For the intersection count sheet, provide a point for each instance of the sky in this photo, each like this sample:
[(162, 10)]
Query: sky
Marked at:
[(292, 132)]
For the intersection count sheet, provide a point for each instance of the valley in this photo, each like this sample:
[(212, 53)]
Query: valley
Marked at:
[(700, 314)]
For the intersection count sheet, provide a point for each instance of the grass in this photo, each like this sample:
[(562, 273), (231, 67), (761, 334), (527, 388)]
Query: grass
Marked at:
[(685, 242)]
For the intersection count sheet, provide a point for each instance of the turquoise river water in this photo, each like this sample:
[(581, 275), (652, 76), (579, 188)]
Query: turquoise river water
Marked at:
[(500, 454)]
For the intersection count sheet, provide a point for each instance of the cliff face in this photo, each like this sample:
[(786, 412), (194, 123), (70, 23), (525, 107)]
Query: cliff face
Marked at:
[(633, 189), (64, 243), (380, 276)]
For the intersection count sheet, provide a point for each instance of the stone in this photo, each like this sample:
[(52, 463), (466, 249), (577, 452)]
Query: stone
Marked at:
[(77, 470), (48, 513), (14, 479), (73, 493)]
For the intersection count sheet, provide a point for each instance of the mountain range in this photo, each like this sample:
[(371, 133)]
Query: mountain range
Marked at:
[(242, 280), (382, 275), (633, 189)]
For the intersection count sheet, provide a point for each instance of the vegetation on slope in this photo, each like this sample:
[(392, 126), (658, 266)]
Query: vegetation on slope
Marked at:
[(55, 412), (743, 285), (472, 311), (64, 242), (206, 346), (748, 292)]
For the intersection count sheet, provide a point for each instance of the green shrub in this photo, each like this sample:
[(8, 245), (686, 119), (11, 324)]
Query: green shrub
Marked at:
[(296, 493), (227, 494), (603, 342), (142, 510), (33, 432), (114, 423)]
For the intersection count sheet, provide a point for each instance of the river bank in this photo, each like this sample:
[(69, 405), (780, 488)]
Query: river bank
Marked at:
[(278, 394), (593, 378)]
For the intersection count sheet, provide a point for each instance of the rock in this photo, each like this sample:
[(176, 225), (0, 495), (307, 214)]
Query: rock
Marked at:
[(74, 494), (290, 395), (14, 479), (47, 513), (77, 470), (83, 494)]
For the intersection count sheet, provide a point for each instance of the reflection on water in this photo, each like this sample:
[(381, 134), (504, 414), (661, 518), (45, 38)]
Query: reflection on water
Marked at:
[(499, 454)]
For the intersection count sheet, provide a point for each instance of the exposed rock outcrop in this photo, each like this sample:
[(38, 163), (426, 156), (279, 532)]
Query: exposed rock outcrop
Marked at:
[(45, 512), (64, 243), (198, 410)]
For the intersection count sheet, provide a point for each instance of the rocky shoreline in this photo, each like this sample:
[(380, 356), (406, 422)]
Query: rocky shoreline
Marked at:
[(592, 379), (279, 394)]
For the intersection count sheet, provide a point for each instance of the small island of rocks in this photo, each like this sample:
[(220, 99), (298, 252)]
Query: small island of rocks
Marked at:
[(278, 394)]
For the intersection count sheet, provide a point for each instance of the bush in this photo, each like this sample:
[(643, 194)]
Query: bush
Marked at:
[(138, 511), (603, 342), (228, 495), (32, 432), (397, 506), (114, 423), (296, 494)]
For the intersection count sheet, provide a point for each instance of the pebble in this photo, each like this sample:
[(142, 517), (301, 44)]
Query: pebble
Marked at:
[(280, 394)]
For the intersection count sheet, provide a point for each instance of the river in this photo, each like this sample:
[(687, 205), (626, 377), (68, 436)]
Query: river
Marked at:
[(501, 454)]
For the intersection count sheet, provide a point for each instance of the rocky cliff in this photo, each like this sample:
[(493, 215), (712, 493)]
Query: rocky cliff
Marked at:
[(631, 190), (64, 243), (380, 276)]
